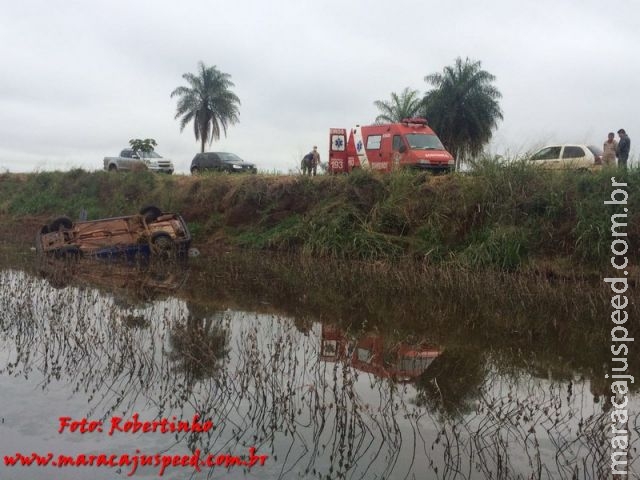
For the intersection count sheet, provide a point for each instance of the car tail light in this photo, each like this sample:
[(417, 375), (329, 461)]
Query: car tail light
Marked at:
[(598, 160)]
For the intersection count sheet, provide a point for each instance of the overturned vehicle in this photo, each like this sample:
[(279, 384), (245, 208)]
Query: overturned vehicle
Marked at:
[(151, 232)]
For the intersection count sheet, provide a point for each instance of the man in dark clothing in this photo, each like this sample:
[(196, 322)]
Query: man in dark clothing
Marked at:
[(307, 164), (624, 145), (310, 162)]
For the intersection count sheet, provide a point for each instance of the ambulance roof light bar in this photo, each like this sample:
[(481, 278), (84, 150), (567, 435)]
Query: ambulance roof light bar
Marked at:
[(415, 121)]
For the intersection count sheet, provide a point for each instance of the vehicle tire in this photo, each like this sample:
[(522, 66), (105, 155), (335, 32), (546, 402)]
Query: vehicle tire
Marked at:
[(113, 168), (43, 231), (195, 171), (150, 213), (162, 245), (60, 223)]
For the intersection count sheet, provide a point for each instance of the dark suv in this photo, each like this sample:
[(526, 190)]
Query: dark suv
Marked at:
[(220, 162)]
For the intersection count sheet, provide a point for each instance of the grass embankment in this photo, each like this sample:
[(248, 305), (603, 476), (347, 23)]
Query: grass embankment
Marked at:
[(510, 217)]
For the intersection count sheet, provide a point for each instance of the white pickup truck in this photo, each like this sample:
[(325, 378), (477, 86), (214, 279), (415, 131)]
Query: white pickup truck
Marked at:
[(131, 160)]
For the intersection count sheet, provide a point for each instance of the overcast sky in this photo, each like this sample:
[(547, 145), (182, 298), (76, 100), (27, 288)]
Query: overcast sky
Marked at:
[(79, 79)]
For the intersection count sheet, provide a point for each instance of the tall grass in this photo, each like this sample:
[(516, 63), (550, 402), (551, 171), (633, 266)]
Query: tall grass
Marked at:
[(508, 215)]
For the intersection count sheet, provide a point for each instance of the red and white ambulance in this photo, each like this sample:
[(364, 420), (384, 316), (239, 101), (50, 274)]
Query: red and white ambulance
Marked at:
[(386, 147)]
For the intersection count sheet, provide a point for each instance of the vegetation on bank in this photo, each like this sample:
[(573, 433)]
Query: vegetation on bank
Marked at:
[(500, 215)]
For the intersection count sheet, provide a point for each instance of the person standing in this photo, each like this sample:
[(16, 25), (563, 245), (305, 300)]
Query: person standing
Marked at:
[(307, 162), (609, 150), (310, 162), (316, 159), (624, 145)]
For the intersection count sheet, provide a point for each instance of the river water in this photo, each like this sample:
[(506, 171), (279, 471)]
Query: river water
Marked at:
[(115, 349)]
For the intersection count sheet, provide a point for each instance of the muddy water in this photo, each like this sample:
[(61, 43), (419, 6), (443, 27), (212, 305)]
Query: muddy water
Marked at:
[(91, 356)]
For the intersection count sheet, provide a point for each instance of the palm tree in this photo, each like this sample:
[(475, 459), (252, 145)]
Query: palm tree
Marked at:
[(200, 344), (208, 102), (405, 105), (463, 107)]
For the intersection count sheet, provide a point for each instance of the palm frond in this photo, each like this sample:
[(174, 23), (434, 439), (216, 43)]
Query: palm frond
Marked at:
[(405, 105)]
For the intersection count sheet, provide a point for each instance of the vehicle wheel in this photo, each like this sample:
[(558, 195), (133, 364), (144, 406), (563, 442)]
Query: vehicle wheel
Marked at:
[(150, 213), (112, 168), (60, 223), (162, 245), (43, 231), (195, 171)]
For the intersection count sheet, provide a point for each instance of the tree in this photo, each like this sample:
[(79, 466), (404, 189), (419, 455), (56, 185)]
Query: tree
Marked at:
[(200, 344), (208, 102), (463, 107), (147, 145), (452, 383), (405, 105)]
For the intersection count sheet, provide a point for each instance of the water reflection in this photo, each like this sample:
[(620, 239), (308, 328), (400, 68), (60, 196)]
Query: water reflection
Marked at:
[(453, 383), (200, 344), (139, 280), (401, 361), (321, 401)]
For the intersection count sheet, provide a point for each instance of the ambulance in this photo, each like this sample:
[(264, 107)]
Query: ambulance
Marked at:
[(387, 147)]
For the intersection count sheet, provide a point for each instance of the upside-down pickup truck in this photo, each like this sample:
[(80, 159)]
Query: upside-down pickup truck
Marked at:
[(130, 159), (150, 232)]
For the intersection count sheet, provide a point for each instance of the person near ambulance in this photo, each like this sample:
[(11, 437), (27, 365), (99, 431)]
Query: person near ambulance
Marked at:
[(310, 162), (316, 159)]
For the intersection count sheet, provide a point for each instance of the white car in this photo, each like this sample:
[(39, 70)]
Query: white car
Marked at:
[(570, 156), (129, 159)]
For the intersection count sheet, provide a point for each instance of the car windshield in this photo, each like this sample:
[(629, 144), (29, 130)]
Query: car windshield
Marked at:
[(595, 150), (547, 153), (148, 155), (230, 157), (423, 141)]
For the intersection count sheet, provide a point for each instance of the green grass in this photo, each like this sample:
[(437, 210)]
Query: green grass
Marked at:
[(500, 215)]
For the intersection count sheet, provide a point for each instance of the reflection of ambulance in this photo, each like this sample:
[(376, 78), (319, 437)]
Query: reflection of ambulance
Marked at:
[(387, 147), (401, 362)]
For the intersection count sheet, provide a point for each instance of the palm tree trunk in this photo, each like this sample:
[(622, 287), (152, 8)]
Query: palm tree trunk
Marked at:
[(202, 145)]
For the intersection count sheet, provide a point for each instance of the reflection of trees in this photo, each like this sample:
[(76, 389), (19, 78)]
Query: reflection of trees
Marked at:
[(451, 383), (314, 418), (530, 420), (85, 338), (199, 344)]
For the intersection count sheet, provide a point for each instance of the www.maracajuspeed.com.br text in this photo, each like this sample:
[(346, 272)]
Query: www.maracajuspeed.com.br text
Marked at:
[(196, 460)]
